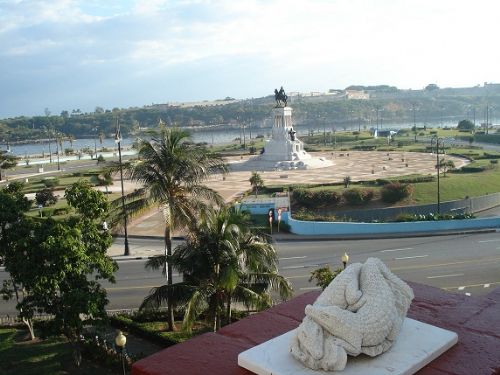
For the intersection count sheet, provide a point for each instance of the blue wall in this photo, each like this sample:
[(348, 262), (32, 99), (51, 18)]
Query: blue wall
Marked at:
[(341, 228)]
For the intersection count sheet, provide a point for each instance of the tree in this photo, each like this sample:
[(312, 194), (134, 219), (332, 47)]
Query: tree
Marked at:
[(256, 182), (466, 125), (347, 181), (172, 171), (222, 261), (45, 197), (446, 165), (55, 267), (431, 87), (105, 179), (7, 161)]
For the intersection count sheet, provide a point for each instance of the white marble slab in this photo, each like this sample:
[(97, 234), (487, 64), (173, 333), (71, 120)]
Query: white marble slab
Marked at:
[(417, 345)]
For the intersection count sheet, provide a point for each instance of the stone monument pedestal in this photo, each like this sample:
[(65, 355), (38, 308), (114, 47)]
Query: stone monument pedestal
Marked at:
[(284, 151), (417, 345)]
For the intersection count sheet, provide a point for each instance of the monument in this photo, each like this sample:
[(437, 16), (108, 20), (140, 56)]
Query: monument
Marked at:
[(284, 151)]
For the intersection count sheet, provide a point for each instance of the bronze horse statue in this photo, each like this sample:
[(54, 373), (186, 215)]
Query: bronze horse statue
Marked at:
[(280, 97)]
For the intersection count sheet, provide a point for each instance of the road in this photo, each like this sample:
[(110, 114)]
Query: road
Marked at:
[(468, 264)]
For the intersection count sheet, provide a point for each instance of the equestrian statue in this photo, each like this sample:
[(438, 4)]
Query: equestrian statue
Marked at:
[(280, 97)]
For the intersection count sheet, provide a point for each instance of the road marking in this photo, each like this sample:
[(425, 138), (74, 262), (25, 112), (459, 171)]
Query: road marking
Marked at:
[(311, 288), (469, 286), (421, 266), (484, 241), (296, 267), (486, 285), (302, 257), (402, 249), (297, 277), (415, 256), (439, 276)]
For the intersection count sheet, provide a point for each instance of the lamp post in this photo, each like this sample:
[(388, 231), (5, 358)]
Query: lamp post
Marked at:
[(439, 141), (414, 122), (118, 139), (345, 259), (95, 129), (50, 151), (120, 341)]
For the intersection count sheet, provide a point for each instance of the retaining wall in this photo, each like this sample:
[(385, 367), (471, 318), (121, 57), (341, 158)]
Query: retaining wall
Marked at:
[(375, 229)]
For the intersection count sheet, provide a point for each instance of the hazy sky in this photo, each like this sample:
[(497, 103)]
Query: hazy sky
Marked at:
[(79, 54)]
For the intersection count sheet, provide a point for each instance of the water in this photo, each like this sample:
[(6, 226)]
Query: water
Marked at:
[(215, 136)]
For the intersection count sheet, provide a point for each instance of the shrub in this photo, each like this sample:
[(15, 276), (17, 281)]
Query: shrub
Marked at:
[(50, 182), (358, 197), (469, 169), (395, 192), (324, 276), (315, 198), (45, 197), (305, 215)]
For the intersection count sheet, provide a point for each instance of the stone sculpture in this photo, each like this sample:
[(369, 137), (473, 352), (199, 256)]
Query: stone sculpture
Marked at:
[(361, 311)]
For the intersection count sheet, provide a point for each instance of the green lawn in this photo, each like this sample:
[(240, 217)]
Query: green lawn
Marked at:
[(458, 186), (48, 357)]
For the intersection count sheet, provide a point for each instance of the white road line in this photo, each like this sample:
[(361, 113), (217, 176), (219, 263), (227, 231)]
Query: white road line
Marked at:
[(484, 241), (311, 288), (486, 285), (402, 249), (415, 256), (293, 258), (461, 287), (296, 267), (439, 276)]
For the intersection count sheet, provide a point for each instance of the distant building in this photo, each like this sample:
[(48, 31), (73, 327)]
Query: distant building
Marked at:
[(356, 95)]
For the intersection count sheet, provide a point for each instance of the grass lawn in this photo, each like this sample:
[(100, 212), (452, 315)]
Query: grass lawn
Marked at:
[(458, 186), (48, 357)]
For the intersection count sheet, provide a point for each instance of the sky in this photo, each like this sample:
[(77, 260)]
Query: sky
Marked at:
[(80, 54)]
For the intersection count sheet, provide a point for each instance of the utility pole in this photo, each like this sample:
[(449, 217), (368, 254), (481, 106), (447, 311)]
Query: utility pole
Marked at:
[(118, 139)]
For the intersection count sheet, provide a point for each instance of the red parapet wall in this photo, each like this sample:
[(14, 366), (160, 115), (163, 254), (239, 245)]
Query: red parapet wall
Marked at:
[(475, 320)]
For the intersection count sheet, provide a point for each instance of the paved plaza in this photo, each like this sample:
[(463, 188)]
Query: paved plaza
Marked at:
[(359, 165)]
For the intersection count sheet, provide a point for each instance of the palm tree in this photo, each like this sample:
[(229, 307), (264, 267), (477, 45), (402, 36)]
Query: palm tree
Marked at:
[(172, 172), (256, 182), (6, 161), (221, 262)]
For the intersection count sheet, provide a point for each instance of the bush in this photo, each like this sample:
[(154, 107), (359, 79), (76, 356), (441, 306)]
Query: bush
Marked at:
[(50, 182), (324, 276), (469, 169), (358, 197), (432, 217), (306, 215), (315, 198), (394, 192), (45, 197)]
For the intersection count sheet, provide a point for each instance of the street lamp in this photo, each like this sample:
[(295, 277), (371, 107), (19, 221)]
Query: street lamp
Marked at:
[(120, 341), (118, 139), (414, 121), (95, 139), (345, 259), (439, 141)]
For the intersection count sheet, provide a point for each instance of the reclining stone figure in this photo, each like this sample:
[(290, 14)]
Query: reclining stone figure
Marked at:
[(361, 311)]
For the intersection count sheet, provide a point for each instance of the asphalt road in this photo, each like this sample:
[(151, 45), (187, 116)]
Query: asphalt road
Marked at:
[(468, 264)]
